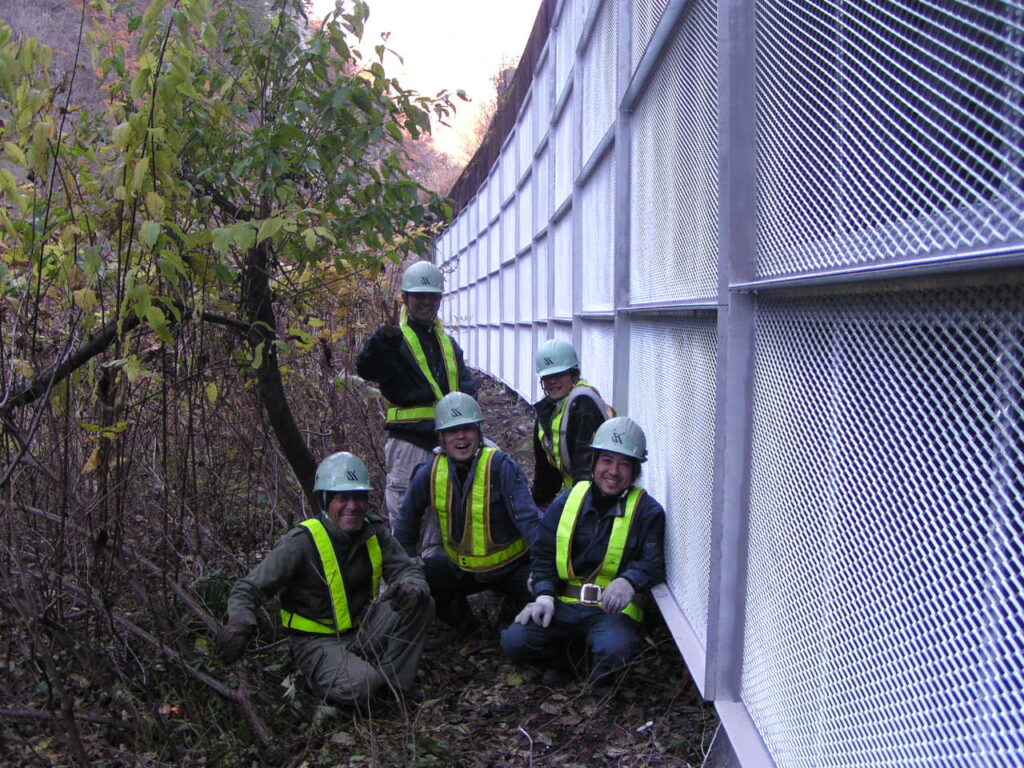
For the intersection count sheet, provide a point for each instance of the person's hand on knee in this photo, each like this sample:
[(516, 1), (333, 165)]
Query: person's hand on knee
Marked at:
[(617, 595), (540, 611)]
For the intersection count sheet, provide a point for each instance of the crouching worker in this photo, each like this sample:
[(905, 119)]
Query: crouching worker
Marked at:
[(482, 500), (599, 545), (349, 644)]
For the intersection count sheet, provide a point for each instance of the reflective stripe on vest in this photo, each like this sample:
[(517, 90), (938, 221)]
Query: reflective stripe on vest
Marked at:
[(476, 551), (335, 583), (616, 542), (451, 364), (555, 445)]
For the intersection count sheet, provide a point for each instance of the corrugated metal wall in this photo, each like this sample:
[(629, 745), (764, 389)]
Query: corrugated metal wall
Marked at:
[(786, 237)]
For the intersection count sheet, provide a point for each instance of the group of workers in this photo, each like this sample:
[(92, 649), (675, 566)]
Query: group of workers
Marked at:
[(572, 556)]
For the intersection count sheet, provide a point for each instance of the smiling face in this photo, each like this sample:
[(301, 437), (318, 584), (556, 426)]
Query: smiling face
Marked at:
[(422, 307), (557, 385), (460, 443), (613, 472), (347, 509)]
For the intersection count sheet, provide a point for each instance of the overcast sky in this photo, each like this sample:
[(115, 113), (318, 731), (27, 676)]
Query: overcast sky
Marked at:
[(449, 44)]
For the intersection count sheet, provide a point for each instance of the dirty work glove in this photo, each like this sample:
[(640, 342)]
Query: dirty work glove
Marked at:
[(232, 639), (540, 611), (617, 595), (405, 595)]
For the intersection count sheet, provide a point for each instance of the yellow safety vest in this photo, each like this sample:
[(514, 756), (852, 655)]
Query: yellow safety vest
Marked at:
[(335, 583), (398, 414), (554, 444), (616, 543), (476, 551)]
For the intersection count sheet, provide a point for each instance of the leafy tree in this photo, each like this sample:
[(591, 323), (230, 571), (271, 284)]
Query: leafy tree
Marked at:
[(246, 169)]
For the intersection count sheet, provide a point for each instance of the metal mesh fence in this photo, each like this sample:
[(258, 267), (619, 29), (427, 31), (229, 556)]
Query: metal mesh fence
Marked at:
[(841, 464)]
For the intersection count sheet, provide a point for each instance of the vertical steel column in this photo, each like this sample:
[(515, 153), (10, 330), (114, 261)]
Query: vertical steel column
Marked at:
[(575, 109), (623, 196)]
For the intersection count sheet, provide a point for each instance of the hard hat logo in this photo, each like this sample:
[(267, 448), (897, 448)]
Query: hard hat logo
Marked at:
[(617, 437), (424, 280), (548, 361), (352, 475), (456, 412)]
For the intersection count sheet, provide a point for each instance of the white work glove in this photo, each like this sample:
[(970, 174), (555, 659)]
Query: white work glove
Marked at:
[(540, 611), (617, 595)]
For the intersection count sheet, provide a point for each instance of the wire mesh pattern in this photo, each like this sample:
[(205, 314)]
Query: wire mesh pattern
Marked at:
[(598, 79), (563, 271), (885, 617), (646, 14), (597, 203), (673, 361), (597, 344), (887, 130), (564, 158), (674, 172), (542, 190)]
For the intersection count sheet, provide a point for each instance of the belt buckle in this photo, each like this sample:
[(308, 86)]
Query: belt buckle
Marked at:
[(590, 594)]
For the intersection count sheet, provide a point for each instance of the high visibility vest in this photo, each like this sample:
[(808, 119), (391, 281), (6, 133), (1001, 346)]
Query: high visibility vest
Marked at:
[(476, 550), (555, 443), (335, 583), (616, 543), (398, 414)]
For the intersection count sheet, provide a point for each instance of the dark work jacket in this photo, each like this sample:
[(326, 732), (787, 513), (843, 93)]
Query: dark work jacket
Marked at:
[(584, 417), (293, 570), (390, 364), (513, 514), (643, 561)]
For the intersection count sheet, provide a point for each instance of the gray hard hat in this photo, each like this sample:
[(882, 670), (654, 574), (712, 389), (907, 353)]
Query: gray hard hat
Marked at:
[(342, 471), (422, 277), (455, 409), (556, 356), (621, 435)]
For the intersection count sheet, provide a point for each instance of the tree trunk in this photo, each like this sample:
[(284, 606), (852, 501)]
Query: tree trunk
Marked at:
[(259, 311)]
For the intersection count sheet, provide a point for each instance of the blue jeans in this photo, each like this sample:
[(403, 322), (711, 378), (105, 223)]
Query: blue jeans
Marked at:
[(612, 638)]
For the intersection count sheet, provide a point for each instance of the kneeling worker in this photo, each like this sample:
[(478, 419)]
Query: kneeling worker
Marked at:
[(350, 645), (488, 520), (599, 545)]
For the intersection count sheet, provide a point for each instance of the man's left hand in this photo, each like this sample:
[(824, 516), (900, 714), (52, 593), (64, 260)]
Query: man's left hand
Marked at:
[(617, 595), (405, 595)]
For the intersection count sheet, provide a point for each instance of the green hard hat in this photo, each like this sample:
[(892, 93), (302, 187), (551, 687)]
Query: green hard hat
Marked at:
[(556, 356), (621, 435), (422, 277), (456, 409), (342, 471)]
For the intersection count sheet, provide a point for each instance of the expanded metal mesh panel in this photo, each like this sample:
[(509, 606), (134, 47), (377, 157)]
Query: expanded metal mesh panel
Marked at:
[(887, 130), (542, 269), (645, 17), (562, 260), (494, 298), (493, 195), (542, 190), (508, 231), (507, 311), (672, 396), (509, 169), (564, 148), (597, 355), (508, 355), (885, 605), (599, 79), (597, 205), (525, 214), (479, 302), (527, 287), (494, 245), (542, 100), (524, 362), (674, 209), (566, 38), (527, 140)]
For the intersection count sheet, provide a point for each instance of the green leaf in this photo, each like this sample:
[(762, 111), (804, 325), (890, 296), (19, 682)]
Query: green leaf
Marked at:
[(268, 228), (150, 232)]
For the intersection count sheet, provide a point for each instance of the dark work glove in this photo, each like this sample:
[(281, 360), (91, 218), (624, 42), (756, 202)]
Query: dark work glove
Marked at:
[(391, 334), (405, 595), (232, 639)]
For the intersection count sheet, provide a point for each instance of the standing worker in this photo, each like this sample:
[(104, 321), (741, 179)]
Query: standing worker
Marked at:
[(599, 546), (349, 644), (567, 418), (487, 519), (415, 364)]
